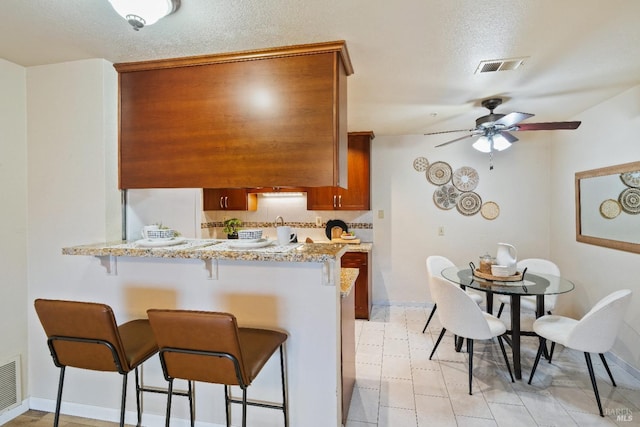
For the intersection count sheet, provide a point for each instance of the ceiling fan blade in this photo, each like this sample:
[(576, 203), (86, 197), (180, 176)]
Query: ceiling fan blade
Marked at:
[(548, 126), (506, 135), (448, 131), (455, 140), (512, 119)]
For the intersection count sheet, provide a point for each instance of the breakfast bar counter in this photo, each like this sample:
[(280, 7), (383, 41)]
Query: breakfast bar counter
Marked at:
[(295, 288)]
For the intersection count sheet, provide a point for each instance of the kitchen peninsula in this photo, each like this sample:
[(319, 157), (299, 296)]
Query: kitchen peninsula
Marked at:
[(295, 288)]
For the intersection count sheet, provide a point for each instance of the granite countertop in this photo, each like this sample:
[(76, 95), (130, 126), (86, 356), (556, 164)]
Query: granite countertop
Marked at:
[(348, 278), (216, 249)]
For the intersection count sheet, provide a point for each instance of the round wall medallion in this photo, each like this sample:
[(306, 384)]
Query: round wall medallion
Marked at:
[(469, 203), (631, 179), (446, 197), (439, 173), (465, 178), (610, 208), (630, 200), (490, 210), (421, 164)]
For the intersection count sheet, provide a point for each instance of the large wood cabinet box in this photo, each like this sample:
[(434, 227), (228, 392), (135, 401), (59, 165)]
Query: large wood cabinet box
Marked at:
[(358, 194), (363, 285), (268, 118)]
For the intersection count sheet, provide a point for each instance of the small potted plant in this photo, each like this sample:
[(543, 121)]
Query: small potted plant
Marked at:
[(231, 226)]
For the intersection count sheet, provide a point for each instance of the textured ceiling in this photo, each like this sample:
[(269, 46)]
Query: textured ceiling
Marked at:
[(414, 60)]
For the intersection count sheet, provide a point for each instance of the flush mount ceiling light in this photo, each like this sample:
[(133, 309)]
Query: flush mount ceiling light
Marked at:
[(144, 12)]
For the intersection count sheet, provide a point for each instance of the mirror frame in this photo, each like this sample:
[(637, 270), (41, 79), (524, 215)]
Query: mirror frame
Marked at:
[(607, 243)]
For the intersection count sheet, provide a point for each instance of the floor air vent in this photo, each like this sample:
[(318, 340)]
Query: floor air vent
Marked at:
[(9, 384)]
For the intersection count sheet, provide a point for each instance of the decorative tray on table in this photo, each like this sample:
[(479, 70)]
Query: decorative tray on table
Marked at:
[(514, 278)]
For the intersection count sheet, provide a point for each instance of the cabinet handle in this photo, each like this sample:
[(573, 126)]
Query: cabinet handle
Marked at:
[(221, 203), (340, 201), (334, 200), (226, 202)]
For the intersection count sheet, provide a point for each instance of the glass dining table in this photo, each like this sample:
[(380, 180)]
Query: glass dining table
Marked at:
[(532, 284)]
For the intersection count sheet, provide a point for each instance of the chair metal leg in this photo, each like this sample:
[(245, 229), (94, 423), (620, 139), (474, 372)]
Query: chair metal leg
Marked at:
[(500, 310), (592, 375), (504, 353), (169, 394), (437, 343), (192, 403), (138, 399), (606, 366), (433, 311), (553, 347), (284, 388), (535, 364), (244, 407), (124, 399), (470, 351), (56, 418), (227, 405)]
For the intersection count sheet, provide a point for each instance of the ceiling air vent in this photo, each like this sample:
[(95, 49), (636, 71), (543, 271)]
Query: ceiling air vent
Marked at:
[(499, 65)]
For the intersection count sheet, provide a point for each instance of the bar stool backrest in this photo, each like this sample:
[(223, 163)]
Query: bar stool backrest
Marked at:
[(188, 339), (82, 335)]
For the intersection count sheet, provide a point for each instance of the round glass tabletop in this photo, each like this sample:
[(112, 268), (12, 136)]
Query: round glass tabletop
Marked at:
[(531, 283)]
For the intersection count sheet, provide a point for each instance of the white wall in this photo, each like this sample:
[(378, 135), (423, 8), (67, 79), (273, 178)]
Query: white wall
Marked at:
[(13, 215), (408, 233), (608, 136), (72, 193)]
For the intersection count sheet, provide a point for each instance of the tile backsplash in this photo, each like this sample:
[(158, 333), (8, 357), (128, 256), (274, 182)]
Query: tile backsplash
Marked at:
[(293, 209)]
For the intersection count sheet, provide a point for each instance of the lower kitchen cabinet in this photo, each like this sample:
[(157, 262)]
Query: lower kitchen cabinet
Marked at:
[(363, 297)]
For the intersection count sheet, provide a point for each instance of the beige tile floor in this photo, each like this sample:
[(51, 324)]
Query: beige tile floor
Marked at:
[(398, 386)]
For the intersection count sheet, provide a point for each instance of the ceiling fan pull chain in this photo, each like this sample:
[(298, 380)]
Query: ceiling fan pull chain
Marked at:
[(491, 161)]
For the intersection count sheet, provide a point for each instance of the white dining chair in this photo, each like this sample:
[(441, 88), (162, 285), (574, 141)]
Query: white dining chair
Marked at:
[(435, 265), (533, 265), (594, 333), (460, 315)]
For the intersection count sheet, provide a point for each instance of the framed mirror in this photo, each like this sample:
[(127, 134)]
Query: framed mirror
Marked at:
[(608, 207)]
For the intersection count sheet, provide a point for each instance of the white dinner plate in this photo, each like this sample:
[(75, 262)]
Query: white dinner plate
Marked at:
[(159, 243), (239, 244)]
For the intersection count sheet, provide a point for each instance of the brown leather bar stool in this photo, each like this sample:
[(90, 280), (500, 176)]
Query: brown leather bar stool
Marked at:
[(210, 347), (85, 335)]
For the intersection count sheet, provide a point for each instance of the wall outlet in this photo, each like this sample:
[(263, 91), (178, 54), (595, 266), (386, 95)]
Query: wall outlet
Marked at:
[(380, 214), (319, 221)]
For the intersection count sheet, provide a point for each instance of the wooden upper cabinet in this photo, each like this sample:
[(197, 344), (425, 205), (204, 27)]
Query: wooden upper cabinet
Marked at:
[(228, 199), (270, 118), (358, 194)]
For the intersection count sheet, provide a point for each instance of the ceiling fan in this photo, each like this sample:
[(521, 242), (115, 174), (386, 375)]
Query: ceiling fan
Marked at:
[(494, 130)]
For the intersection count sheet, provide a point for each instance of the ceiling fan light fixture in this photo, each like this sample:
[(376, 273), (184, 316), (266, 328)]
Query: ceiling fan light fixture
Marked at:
[(140, 13), (483, 145), (488, 144), (500, 142)]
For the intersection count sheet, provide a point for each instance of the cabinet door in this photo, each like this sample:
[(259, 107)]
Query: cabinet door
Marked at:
[(322, 198), (231, 199), (358, 196), (359, 260)]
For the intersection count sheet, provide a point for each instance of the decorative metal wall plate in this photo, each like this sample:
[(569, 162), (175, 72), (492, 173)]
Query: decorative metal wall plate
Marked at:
[(631, 179), (630, 200), (446, 196), (421, 164), (610, 208), (465, 178), (439, 173), (469, 203), (490, 210)]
